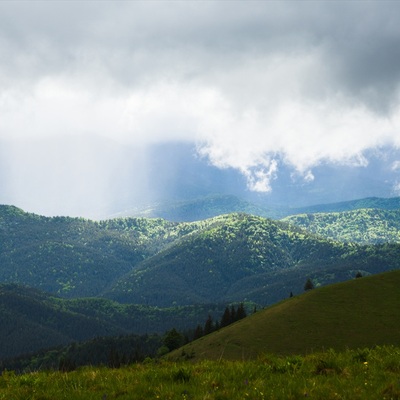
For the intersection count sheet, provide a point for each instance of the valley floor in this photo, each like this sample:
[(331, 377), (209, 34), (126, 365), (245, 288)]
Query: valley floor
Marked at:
[(356, 374)]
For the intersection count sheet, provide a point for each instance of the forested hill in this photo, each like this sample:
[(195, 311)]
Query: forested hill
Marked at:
[(365, 226), (241, 257), (74, 256), (32, 320)]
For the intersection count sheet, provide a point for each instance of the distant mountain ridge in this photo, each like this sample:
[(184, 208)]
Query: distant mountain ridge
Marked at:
[(213, 205), (390, 203)]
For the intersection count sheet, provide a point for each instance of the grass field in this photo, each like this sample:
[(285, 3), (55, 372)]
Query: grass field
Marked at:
[(352, 375)]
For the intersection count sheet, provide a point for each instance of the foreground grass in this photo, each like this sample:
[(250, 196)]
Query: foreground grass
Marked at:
[(356, 374)]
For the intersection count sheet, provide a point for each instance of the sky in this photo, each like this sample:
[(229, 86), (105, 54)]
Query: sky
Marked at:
[(252, 84)]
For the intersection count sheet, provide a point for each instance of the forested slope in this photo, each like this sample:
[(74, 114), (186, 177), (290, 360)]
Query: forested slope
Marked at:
[(365, 226), (32, 320), (241, 257), (75, 257), (235, 257)]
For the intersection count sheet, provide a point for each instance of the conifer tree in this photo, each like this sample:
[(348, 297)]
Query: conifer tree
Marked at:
[(309, 284), (198, 333), (208, 327), (233, 314), (241, 312), (226, 317)]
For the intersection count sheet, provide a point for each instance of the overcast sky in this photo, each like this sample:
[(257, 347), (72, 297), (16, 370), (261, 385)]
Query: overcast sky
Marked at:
[(309, 82)]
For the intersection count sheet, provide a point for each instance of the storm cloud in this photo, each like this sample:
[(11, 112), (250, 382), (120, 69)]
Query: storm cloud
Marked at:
[(250, 83)]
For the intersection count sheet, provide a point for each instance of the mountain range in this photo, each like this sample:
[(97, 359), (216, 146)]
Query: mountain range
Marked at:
[(136, 274)]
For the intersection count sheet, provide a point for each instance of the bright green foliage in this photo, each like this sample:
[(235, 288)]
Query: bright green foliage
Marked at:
[(365, 226), (357, 375), (74, 256), (241, 257)]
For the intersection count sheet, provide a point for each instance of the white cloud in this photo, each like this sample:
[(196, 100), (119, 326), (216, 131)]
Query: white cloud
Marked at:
[(396, 165), (249, 82)]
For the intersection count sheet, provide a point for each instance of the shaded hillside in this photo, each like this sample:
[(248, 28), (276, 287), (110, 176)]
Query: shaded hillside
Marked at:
[(355, 314), (240, 257), (360, 226), (32, 320)]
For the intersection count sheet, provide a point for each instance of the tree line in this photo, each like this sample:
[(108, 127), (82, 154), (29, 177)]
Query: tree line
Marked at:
[(173, 339)]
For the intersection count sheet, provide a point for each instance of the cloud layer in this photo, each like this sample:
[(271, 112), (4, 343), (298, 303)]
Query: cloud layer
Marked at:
[(249, 82)]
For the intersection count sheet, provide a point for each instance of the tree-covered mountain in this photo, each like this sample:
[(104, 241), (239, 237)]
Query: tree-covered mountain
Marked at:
[(239, 257), (32, 320), (75, 257), (113, 276), (361, 226), (235, 257)]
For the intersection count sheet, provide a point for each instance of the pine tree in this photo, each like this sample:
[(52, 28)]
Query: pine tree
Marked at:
[(241, 312), (208, 327), (198, 333), (308, 285), (233, 314), (226, 317)]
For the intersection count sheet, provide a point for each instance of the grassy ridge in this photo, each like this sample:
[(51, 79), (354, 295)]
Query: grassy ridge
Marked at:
[(358, 313)]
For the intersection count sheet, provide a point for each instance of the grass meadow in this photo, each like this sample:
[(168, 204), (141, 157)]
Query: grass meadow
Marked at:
[(351, 374)]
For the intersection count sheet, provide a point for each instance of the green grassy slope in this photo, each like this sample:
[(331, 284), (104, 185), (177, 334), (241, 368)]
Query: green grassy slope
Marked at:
[(365, 226), (355, 314)]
